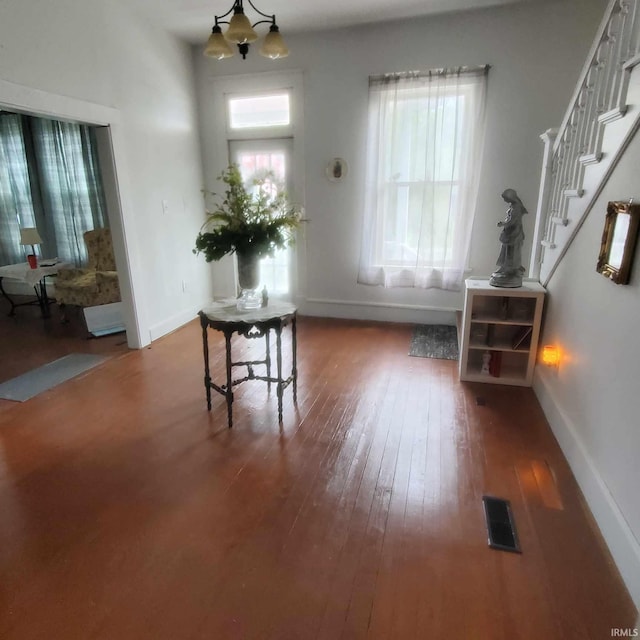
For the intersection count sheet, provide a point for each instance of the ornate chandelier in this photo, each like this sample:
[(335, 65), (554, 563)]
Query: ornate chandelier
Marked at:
[(241, 32)]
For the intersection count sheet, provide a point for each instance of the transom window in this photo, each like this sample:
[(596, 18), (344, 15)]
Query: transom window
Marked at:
[(250, 112)]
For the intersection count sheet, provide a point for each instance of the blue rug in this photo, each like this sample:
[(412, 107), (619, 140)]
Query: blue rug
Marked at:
[(33, 382)]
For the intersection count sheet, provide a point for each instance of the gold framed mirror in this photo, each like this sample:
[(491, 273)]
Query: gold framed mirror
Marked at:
[(618, 241)]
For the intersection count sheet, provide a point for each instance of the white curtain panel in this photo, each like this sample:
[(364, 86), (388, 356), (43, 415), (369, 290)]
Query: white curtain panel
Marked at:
[(425, 140), (16, 207), (71, 185)]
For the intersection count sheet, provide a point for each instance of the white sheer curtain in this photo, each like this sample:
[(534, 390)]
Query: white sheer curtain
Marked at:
[(16, 206), (425, 140)]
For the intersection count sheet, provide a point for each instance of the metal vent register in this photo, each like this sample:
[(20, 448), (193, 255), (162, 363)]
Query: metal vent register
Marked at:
[(500, 524)]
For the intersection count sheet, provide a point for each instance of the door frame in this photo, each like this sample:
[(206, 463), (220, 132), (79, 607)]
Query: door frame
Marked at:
[(111, 150), (215, 148)]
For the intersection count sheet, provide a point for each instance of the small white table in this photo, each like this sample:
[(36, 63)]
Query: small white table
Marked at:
[(36, 278), (254, 323)]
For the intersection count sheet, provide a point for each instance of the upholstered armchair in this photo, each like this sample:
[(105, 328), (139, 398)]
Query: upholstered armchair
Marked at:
[(95, 284)]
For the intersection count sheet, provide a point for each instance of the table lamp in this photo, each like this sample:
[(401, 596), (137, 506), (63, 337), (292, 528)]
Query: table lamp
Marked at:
[(30, 236)]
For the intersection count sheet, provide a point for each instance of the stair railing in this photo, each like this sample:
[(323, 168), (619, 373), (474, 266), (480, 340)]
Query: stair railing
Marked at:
[(599, 98)]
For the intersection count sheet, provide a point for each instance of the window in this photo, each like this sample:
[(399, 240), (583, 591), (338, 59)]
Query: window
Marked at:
[(425, 135), (16, 206), (259, 111), (49, 179)]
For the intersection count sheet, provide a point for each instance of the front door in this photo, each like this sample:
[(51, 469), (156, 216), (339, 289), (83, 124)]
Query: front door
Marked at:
[(255, 158)]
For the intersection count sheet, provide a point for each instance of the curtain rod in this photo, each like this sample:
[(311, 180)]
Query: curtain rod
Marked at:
[(429, 73)]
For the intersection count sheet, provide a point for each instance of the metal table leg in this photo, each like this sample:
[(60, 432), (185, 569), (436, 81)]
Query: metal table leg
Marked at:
[(12, 311), (229, 387), (207, 375), (294, 354), (43, 300), (40, 289), (268, 358), (279, 367)]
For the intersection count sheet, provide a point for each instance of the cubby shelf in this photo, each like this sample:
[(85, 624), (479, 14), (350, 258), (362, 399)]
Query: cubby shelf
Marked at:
[(494, 320), (500, 326)]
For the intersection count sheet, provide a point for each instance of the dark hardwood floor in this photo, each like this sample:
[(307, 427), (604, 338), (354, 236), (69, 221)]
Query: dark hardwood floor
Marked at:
[(130, 512), (27, 340)]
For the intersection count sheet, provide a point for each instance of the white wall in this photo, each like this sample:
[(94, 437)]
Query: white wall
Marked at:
[(95, 54), (536, 53), (592, 400)]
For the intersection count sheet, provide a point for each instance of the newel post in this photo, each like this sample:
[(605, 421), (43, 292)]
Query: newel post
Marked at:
[(544, 193)]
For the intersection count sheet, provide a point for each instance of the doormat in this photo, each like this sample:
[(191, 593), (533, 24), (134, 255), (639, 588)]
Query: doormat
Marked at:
[(36, 381), (434, 341)]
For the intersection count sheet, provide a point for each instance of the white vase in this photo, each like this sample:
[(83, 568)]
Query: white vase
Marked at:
[(249, 281)]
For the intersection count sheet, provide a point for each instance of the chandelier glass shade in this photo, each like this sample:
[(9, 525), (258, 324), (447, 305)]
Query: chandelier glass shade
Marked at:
[(241, 32), (240, 29), (217, 46), (273, 45)]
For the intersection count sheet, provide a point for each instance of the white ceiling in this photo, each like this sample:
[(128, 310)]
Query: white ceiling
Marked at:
[(193, 19)]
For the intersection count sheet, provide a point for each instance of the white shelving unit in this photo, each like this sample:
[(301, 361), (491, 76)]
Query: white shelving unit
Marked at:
[(500, 326)]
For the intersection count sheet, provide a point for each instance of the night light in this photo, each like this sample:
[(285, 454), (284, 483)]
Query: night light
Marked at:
[(551, 355)]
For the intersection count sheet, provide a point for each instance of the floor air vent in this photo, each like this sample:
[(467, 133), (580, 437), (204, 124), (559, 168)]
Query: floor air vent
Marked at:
[(500, 524)]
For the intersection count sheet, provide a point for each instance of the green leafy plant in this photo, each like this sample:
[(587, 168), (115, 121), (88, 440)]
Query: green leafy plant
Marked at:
[(250, 223)]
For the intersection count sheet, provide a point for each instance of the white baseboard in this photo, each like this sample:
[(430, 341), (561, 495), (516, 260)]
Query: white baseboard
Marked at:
[(376, 311), (617, 534), (174, 322)]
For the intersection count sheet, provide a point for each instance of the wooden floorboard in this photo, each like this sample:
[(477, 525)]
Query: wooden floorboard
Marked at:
[(128, 511), (27, 340)]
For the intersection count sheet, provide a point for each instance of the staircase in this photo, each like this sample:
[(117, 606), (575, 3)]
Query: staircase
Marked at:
[(602, 118)]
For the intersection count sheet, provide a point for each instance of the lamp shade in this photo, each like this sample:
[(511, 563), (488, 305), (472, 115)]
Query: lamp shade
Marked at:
[(30, 235), (217, 46), (240, 30), (273, 46)]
